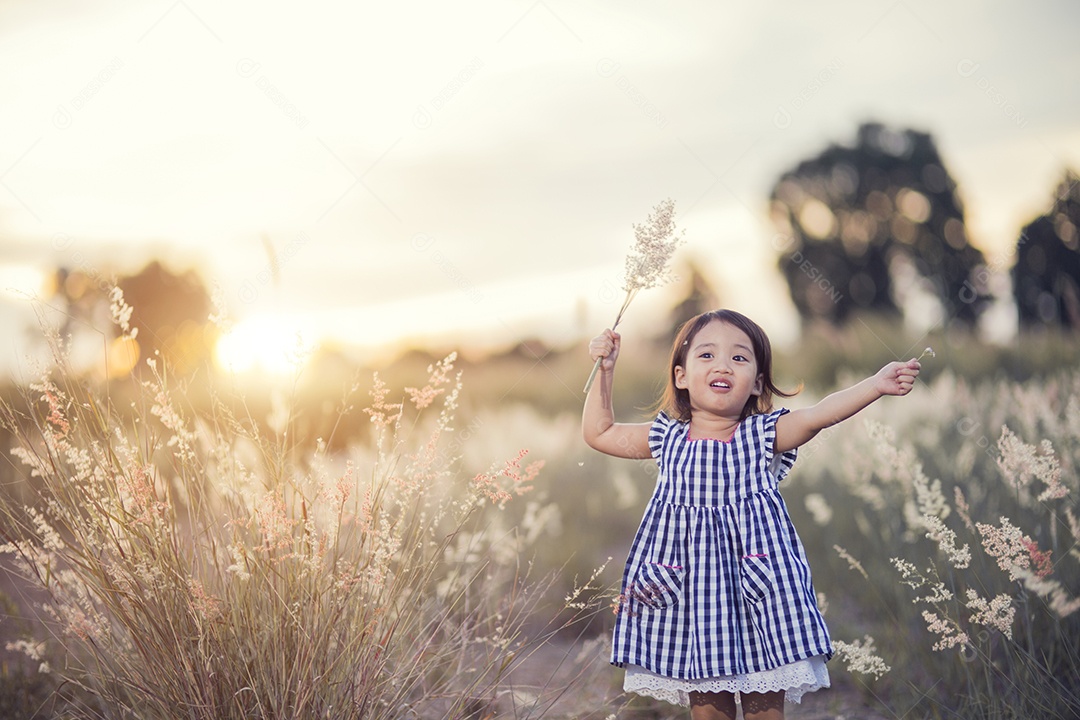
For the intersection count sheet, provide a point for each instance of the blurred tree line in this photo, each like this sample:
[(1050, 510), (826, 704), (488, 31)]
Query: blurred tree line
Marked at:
[(170, 311), (1046, 276), (863, 229)]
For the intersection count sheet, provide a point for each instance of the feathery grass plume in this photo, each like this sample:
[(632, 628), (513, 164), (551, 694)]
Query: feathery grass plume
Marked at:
[(819, 508), (947, 628), (1020, 462), (851, 561), (859, 657), (997, 613), (655, 242), (1013, 550)]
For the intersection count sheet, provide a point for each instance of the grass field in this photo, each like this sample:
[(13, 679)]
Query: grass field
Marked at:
[(184, 549)]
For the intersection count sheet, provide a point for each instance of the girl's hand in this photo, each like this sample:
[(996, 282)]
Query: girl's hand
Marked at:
[(605, 346), (897, 378)]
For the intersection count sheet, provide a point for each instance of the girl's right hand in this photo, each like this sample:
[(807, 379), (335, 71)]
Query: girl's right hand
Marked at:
[(605, 346)]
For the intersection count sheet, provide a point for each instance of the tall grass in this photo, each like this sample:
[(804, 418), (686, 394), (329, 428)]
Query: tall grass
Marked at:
[(901, 512), (947, 530), (208, 565), (198, 561)]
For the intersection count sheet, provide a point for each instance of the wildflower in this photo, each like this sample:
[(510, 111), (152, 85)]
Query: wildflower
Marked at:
[(1013, 549), (33, 650), (1060, 602), (202, 605), (1040, 560), (382, 413), (852, 562), (49, 538), (1020, 463), (498, 490), (485, 483), (81, 624), (344, 487), (859, 657), (998, 613), (819, 509), (220, 315), (183, 438), (932, 509), (56, 416), (280, 413), (939, 594), (950, 632), (520, 477), (909, 574), (121, 313), (928, 351), (136, 489), (572, 600), (962, 508), (936, 530), (540, 518), (439, 375), (274, 523), (1074, 524), (655, 241), (931, 501), (897, 462), (239, 566)]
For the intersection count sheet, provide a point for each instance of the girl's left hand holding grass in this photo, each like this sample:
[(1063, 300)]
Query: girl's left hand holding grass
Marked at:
[(897, 378)]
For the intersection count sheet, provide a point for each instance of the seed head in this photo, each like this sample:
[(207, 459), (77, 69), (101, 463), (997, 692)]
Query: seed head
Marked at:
[(655, 243)]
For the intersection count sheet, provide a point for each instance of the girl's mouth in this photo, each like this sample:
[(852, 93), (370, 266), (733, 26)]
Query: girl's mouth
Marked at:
[(723, 384)]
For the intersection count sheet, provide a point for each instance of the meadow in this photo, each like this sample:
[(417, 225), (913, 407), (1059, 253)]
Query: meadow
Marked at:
[(438, 542)]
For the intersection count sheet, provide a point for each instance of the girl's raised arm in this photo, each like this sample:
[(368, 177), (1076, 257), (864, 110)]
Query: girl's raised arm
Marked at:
[(598, 426), (798, 426)]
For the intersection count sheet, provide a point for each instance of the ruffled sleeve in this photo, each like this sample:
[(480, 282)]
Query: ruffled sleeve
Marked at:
[(658, 432), (779, 465)]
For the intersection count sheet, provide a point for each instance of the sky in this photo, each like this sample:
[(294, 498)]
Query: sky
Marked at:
[(373, 173)]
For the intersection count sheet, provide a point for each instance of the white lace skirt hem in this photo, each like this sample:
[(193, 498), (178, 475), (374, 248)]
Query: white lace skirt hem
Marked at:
[(796, 679)]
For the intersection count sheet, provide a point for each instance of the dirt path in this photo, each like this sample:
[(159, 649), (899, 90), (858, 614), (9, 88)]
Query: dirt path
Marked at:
[(592, 690)]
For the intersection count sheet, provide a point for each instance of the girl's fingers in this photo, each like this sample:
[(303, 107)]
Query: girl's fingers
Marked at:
[(601, 347)]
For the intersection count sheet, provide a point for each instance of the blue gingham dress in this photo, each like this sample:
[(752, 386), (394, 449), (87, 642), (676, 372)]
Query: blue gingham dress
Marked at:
[(717, 582)]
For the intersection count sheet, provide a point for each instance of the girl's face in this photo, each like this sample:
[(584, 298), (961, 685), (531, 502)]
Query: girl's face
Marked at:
[(721, 372)]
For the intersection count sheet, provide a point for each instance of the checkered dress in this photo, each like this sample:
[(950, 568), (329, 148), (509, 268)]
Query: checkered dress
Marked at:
[(717, 581)]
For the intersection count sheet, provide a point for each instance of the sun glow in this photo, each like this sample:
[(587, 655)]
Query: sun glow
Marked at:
[(272, 344), (21, 281)]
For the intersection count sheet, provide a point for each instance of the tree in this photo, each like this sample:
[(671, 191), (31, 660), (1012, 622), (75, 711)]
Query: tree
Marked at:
[(1046, 276), (698, 296), (863, 228), (170, 312)]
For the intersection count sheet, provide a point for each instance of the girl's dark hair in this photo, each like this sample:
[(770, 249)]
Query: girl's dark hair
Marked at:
[(676, 402)]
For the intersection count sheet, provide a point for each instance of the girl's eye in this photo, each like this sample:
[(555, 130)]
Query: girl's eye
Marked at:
[(739, 358), (706, 356)]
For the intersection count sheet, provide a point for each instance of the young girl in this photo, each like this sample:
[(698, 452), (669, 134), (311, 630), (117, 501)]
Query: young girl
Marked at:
[(717, 602)]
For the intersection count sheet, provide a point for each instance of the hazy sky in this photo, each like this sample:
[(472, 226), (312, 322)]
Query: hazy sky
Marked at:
[(472, 169)]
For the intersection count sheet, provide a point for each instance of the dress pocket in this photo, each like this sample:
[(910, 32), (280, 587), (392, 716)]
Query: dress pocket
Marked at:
[(658, 585), (757, 577)]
